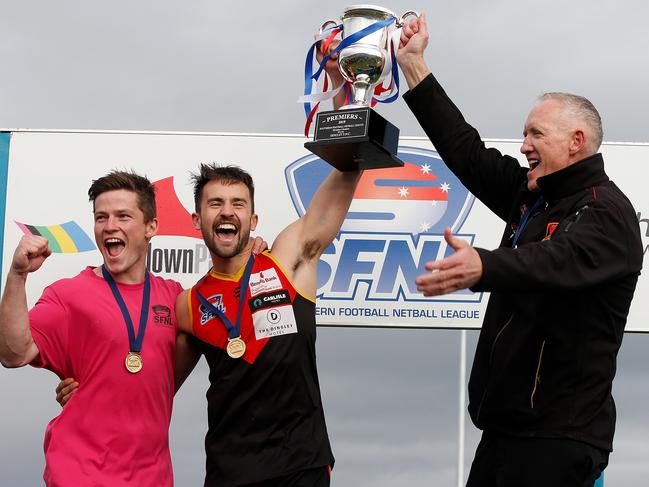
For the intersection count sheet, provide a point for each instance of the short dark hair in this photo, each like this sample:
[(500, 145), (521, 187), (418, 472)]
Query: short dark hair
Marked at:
[(130, 181), (223, 174)]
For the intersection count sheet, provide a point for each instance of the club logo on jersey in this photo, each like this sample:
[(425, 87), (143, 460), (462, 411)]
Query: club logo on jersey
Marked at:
[(217, 301), (394, 226), (162, 315), (552, 226)]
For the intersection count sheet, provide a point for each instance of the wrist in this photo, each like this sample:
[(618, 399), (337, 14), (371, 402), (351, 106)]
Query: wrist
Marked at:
[(414, 69), (16, 275)]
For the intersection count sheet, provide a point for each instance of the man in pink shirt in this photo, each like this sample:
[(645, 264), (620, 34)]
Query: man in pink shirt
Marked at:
[(111, 327)]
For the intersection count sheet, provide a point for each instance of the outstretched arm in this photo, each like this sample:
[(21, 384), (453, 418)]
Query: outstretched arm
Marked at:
[(580, 254), (299, 246), (493, 178), (17, 347), (461, 270)]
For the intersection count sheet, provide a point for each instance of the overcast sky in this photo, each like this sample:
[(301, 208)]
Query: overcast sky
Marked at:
[(390, 395)]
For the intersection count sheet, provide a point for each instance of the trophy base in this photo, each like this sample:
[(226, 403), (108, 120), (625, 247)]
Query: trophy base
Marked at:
[(355, 139)]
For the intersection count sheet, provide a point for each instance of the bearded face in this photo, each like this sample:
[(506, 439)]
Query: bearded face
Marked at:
[(225, 218)]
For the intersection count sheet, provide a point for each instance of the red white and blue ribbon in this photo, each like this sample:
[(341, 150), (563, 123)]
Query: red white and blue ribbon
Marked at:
[(310, 96), (382, 94)]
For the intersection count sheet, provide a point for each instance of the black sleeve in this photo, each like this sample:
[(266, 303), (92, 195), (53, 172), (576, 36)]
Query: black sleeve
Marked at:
[(493, 178), (595, 248)]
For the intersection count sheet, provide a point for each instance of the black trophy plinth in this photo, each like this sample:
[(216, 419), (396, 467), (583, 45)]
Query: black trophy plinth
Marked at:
[(355, 138)]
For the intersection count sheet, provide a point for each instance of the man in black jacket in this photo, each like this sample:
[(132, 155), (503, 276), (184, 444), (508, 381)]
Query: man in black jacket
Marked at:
[(561, 280)]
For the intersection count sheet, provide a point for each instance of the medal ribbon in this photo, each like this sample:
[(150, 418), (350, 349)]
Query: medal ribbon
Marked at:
[(135, 343), (234, 331), (524, 219)]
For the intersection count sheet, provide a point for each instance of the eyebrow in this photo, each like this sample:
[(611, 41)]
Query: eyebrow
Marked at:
[(118, 211), (220, 199)]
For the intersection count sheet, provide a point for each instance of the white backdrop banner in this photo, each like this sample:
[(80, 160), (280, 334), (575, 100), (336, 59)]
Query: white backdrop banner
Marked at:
[(365, 278)]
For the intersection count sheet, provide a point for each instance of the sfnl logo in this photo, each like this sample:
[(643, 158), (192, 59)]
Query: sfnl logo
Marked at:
[(394, 226)]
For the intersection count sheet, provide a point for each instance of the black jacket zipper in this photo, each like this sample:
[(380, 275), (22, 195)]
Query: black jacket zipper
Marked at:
[(491, 354)]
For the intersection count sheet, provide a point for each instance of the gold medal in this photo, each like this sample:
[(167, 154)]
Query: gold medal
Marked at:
[(236, 347), (133, 362)]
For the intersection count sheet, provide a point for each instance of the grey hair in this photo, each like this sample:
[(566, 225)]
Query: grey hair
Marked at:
[(581, 108)]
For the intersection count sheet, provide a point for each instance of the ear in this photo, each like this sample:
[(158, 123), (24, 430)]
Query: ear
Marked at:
[(151, 229), (254, 220), (196, 220), (577, 142)]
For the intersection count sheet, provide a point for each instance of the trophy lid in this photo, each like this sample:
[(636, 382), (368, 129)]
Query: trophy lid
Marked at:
[(364, 10)]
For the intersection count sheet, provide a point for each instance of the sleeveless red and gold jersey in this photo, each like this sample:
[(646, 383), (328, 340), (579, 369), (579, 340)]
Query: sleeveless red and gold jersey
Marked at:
[(267, 309), (265, 412)]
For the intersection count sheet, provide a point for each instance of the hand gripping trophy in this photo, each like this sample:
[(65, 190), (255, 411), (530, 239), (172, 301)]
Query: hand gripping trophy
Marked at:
[(355, 136)]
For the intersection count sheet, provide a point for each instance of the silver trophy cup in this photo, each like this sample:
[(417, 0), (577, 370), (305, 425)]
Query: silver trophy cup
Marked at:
[(362, 62), (358, 137)]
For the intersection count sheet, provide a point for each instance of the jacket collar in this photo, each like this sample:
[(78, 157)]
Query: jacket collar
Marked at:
[(580, 175)]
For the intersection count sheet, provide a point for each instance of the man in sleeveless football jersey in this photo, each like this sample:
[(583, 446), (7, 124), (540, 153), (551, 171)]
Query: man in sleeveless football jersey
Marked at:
[(256, 319)]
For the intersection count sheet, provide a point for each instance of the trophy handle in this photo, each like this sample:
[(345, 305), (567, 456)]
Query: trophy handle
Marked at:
[(325, 24), (402, 20)]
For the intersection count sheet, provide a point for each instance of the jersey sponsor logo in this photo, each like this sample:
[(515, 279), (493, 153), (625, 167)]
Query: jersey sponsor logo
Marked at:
[(206, 315), (269, 300), (162, 315), (394, 226), (272, 314), (264, 281), (274, 321)]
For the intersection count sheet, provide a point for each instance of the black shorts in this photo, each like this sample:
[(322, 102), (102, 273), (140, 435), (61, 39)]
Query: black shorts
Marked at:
[(535, 462)]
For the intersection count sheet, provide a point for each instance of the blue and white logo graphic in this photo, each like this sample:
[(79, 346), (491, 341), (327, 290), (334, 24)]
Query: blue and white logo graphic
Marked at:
[(217, 301), (394, 226)]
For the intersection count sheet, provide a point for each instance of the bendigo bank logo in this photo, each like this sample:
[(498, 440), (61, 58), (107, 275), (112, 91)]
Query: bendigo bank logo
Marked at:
[(394, 226)]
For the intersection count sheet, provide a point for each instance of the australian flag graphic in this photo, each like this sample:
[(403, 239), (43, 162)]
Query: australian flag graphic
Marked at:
[(422, 197)]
